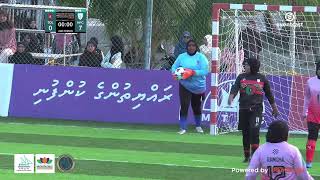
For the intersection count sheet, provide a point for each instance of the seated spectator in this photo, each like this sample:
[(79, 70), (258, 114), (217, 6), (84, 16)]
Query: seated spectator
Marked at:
[(22, 56), (206, 48), (228, 60), (32, 24), (181, 47), (31, 43), (90, 57), (60, 44), (114, 57), (7, 37), (97, 42)]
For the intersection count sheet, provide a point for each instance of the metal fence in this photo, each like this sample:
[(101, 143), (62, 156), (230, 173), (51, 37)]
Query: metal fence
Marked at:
[(113, 26)]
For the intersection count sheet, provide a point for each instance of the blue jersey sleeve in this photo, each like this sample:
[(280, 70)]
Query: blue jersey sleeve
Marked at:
[(204, 66), (176, 64)]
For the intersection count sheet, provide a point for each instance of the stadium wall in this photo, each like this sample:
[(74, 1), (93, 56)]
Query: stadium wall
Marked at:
[(6, 76), (129, 96), (98, 94)]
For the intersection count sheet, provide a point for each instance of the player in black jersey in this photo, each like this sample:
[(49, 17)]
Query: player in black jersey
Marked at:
[(252, 86)]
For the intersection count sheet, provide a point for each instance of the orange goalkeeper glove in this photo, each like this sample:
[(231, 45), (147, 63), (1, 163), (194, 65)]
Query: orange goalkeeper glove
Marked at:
[(188, 73)]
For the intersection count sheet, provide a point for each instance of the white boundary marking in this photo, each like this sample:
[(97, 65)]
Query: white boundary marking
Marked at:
[(96, 128)]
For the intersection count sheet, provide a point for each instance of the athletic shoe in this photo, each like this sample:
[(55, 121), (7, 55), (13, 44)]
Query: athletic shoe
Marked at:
[(309, 164), (246, 160), (182, 131), (199, 129)]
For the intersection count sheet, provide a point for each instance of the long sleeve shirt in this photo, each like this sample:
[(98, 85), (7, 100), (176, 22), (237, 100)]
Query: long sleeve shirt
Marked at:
[(8, 39), (311, 107), (252, 88), (199, 63), (277, 161), (114, 62)]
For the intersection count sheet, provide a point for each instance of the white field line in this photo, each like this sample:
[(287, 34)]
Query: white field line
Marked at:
[(102, 128)]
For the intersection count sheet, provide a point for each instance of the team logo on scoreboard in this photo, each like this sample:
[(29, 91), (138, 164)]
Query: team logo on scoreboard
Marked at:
[(80, 16), (50, 16)]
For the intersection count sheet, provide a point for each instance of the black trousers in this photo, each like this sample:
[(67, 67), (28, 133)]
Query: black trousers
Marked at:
[(250, 122), (313, 130), (185, 98)]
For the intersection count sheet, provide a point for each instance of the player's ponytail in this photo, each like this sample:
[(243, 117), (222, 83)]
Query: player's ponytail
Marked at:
[(278, 131)]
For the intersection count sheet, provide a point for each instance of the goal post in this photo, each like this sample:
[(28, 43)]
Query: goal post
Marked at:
[(289, 44)]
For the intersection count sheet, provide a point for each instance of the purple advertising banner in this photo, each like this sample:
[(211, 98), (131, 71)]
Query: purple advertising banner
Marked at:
[(94, 94), (117, 95)]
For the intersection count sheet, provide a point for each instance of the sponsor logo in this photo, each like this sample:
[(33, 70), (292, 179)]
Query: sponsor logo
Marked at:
[(65, 163), (289, 16), (23, 163), (290, 19), (45, 163)]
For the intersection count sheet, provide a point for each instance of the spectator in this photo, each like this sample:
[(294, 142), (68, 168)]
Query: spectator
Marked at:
[(31, 43), (90, 57), (206, 48), (97, 42), (39, 39), (132, 59), (181, 46), (229, 61), (7, 37), (250, 40), (22, 56), (60, 44), (114, 57)]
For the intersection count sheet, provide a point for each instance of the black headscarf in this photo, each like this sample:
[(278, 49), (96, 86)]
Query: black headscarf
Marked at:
[(7, 24), (27, 24), (91, 59), (254, 65), (117, 46), (197, 47), (278, 131), (94, 43)]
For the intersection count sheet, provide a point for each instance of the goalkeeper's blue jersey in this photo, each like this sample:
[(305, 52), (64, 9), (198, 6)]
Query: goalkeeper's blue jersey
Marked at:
[(199, 63)]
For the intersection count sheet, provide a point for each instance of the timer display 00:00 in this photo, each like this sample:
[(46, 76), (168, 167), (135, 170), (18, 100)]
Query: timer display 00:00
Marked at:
[(65, 24)]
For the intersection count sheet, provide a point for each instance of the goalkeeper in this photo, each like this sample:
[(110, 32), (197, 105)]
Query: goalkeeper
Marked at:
[(192, 84), (251, 85), (311, 113)]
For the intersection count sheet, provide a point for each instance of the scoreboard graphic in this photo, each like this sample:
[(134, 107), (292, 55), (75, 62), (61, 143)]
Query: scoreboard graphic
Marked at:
[(65, 22)]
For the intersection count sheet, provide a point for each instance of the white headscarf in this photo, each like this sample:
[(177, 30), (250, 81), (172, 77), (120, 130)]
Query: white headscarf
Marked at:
[(209, 40)]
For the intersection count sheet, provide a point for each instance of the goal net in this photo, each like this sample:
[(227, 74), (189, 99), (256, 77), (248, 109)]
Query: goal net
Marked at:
[(286, 41)]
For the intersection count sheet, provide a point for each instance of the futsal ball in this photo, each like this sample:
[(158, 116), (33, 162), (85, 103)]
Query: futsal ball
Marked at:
[(179, 71)]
